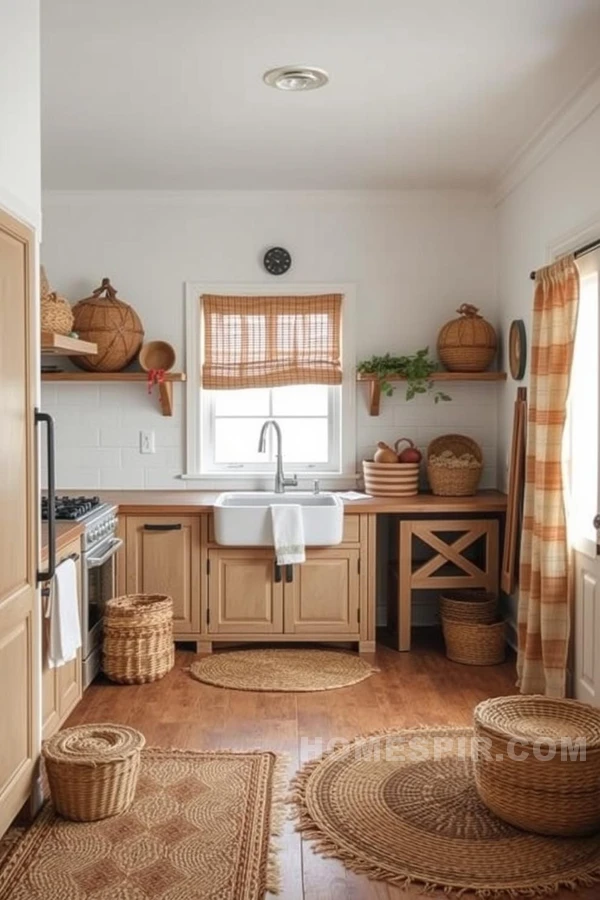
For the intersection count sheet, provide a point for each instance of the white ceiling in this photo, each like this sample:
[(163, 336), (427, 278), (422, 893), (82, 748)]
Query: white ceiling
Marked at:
[(423, 93)]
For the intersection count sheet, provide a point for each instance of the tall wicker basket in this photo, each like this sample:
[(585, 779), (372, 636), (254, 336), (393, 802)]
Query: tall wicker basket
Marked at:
[(93, 770), (138, 638)]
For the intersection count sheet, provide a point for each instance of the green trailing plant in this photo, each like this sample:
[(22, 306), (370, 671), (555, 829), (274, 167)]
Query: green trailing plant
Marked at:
[(416, 368)]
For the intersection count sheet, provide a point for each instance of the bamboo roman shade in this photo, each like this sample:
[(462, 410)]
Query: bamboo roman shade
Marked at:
[(253, 342)]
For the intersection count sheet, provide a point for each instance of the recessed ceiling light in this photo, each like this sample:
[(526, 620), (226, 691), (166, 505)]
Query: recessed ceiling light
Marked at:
[(296, 78)]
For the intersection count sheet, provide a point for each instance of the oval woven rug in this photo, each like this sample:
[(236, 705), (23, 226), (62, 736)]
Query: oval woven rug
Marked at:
[(282, 670), (402, 807)]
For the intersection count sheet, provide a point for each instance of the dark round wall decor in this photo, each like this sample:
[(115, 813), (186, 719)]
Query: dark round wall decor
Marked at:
[(517, 349), (277, 260)]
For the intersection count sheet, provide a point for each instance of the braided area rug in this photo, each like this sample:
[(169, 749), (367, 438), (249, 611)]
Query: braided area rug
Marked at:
[(402, 807), (201, 825), (282, 670)]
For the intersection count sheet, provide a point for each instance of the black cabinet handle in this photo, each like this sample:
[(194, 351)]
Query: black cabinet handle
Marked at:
[(289, 574), (148, 527), (49, 423), (596, 521), (277, 573)]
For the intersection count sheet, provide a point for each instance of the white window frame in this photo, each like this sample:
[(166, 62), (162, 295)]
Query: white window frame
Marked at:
[(344, 474)]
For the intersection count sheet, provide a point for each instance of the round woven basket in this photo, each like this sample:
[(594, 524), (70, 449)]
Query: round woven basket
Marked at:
[(454, 481), (138, 638), (112, 325), (93, 770), (476, 607), (474, 644), (467, 344), (56, 314), (530, 773), (391, 479)]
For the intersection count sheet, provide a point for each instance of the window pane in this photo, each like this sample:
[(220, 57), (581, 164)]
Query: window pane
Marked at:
[(304, 440), (236, 441), (250, 402), (301, 400)]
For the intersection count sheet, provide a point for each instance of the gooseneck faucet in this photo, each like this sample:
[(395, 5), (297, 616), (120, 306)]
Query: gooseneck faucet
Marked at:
[(281, 482)]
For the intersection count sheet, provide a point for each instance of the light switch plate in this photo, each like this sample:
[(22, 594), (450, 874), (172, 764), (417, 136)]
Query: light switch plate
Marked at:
[(147, 442)]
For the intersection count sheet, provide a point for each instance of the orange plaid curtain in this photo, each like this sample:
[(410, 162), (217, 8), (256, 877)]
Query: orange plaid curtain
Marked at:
[(544, 582), (255, 342)]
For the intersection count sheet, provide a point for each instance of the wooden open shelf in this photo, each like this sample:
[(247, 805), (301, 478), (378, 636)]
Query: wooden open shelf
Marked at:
[(375, 383), (63, 345), (165, 388)]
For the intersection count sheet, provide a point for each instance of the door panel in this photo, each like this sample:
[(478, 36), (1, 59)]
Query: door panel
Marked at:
[(587, 629), (243, 595), (19, 616), (163, 557), (324, 594)]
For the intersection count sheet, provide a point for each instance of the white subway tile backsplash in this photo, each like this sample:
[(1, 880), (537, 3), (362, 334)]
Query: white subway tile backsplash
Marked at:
[(162, 458), (122, 478)]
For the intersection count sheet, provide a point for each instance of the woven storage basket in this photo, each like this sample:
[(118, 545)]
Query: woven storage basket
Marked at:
[(56, 315), (476, 607), (138, 638), (529, 774), (93, 770), (391, 479), (112, 325), (448, 481), (467, 344), (474, 644)]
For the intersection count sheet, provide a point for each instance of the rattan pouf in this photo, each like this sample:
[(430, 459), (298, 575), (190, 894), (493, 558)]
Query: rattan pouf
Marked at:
[(93, 770), (539, 763), (138, 638)]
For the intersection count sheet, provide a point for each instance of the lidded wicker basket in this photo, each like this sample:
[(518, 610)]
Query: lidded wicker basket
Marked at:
[(110, 323), (467, 344), (138, 638), (93, 770), (474, 644), (56, 315), (447, 477), (530, 773), (475, 607)]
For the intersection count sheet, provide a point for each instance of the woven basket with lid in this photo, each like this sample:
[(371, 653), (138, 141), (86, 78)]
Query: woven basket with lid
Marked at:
[(467, 344), (138, 638), (447, 481), (93, 770), (530, 774), (56, 315), (110, 323)]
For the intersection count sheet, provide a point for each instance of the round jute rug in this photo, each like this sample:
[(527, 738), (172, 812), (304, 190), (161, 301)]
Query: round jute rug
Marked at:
[(282, 670), (402, 807)]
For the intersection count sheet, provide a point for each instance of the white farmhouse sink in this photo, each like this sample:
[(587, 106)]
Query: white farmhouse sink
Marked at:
[(243, 518)]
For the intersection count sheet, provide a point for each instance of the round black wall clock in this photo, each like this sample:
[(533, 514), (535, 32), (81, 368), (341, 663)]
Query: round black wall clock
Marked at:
[(277, 260), (517, 349)]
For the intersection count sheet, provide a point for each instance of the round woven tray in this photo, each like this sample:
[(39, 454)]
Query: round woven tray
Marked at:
[(446, 481), (138, 638), (473, 644), (93, 769), (533, 775), (477, 607)]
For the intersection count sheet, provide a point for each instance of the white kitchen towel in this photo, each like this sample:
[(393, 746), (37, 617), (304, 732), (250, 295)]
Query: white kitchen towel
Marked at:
[(288, 533), (63, 613)]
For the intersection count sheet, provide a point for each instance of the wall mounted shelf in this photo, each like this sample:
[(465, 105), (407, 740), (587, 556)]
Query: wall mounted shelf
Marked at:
[(64, 345), (375, 383), (165, 388)]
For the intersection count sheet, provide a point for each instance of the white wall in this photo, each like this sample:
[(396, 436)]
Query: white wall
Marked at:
[(20, 108), (414, 256), (554, 209)]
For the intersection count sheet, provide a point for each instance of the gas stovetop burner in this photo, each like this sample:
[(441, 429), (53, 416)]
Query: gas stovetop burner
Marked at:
[(73, 508)]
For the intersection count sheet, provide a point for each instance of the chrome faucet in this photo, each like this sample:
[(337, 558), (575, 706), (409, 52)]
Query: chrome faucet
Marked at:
[(281, 482)]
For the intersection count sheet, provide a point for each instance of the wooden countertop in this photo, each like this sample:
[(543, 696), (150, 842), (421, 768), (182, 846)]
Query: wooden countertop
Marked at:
[(66, 532), (190, 502)]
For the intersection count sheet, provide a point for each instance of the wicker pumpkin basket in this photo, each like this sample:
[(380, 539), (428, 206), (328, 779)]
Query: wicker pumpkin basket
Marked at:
[(467, 344), (112, 325), (93, 770), (475, 607), (454, 465), (56, 315), (529, 772), (474, 644), (391, 479), (138, 638)]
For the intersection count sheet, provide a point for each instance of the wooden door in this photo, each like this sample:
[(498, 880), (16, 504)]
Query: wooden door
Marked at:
[(244, 593), (163, 557), (19, 612), (323, 596)]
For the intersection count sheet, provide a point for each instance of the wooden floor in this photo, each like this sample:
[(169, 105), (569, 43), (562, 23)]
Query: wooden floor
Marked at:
[(417, 688)]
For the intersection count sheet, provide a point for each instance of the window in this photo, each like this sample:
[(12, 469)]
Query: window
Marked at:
[(234, 338)]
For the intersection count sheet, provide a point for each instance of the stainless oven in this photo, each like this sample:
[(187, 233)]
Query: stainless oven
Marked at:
[(100, 546)]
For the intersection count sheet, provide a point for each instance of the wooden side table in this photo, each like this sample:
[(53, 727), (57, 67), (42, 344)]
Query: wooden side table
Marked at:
[(423, 575)]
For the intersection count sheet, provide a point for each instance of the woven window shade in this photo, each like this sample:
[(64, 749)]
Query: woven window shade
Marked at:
[(253, 342)]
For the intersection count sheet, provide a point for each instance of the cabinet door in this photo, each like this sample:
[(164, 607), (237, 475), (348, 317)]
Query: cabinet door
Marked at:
[(244, 596), (322, 596), (163, 557)]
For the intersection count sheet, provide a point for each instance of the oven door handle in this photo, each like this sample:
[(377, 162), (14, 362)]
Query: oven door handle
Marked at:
[(92, 562)]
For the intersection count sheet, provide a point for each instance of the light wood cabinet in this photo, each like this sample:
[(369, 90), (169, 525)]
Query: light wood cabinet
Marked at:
[(61, 688), (323, 594), (162, 556), (245, 593)]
